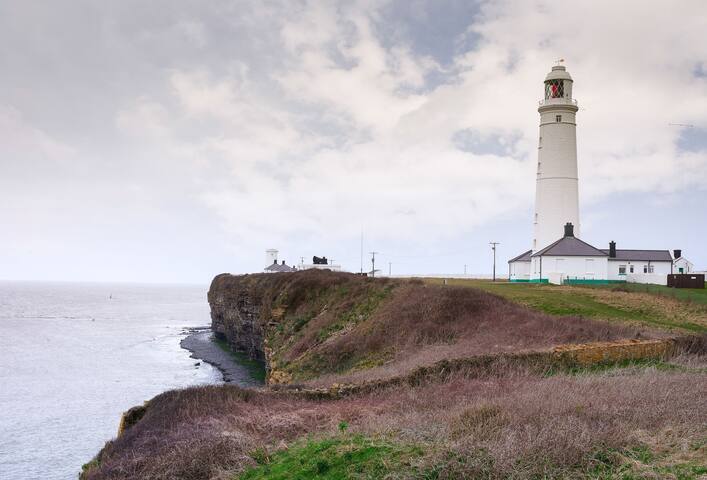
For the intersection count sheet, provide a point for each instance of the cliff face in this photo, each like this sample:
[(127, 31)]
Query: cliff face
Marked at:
[(285, 319), (235, 314)]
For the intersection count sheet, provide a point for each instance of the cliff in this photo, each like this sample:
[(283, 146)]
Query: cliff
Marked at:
[(321, 327)]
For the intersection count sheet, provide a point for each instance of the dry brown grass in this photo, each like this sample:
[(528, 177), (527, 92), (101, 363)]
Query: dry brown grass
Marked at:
[(511, 426), (335, 327), (421, 324)]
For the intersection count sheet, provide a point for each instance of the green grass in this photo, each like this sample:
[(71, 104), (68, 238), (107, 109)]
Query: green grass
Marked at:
[(341, 457), (255, 368), (358, 313), (696, 295), (579, 301)]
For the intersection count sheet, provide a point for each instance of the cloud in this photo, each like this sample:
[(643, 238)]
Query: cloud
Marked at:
[(296, 124)]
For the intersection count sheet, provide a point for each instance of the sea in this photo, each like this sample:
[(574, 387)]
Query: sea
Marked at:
[(74, 356)]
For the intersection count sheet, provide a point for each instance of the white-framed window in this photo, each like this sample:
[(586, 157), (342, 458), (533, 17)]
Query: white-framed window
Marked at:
[(630, 268), (648, 268), (558, 118), (622, 269), (589, 263)]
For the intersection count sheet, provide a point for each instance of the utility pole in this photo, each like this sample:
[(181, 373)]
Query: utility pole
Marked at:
[(362, 251), (390, 268), (373, 263), (493, 247), (464, 269)]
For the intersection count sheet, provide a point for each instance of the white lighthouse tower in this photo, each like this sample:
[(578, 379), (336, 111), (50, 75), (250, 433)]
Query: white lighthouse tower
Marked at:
[(556, 190)]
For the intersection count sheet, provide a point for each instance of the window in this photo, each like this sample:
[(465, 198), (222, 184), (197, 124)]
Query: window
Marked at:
[(558, 118), (630, 268), (554, 89), (622, 269), (540, 143), (648, 268)]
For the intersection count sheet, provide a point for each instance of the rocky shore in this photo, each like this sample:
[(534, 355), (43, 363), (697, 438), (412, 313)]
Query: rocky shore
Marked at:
[(202, 345)]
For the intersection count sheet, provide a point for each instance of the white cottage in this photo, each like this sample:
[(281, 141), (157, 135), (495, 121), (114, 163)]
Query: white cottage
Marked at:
[(682, 264), (569, 258), (640, 266)]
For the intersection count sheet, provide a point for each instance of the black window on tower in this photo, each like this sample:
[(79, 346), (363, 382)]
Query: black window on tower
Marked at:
[(554, 89), (558, 118)]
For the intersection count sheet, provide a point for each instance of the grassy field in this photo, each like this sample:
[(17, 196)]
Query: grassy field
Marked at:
[(696, 295), (653, 305), (630, 422), (633, 419)]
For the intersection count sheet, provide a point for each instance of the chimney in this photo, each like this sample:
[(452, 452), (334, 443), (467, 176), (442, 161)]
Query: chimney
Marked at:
[(569, 230), (283, 262), (677, 254), (274, 262), (612, 249)]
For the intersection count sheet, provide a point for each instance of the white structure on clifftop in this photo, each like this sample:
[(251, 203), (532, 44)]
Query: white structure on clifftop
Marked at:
[(557, 254)]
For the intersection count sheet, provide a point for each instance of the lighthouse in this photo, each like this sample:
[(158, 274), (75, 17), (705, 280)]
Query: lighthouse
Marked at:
[(556, 185), (558, 254)]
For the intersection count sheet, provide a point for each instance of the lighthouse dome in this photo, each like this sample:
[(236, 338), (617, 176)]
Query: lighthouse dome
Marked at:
[(558, 72)]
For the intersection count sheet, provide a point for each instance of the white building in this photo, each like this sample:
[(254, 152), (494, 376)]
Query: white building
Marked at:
[(639, 266), (682, 264), (271, 265), (569, 259)]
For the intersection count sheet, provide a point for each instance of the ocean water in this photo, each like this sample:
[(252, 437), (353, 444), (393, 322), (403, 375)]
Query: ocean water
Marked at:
[(72, 359)]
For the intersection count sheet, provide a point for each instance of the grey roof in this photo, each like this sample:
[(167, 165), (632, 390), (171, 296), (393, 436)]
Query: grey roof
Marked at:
[(523, 257), (641, 255), (570, 247), (279, 267)]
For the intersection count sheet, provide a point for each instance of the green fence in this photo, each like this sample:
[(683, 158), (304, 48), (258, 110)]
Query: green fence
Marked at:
[(589, 281)]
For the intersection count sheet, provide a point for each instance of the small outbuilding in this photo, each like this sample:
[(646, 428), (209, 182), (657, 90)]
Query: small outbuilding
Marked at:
[(519, 267), (682, 264)]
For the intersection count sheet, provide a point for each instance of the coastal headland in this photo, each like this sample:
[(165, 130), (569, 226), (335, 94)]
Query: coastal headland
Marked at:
[(392, 378)]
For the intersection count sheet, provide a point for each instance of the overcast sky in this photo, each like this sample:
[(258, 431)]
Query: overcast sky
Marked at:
[(169, 141)]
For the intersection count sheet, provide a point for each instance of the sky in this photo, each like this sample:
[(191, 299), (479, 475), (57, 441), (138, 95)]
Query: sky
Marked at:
[(172, 140)]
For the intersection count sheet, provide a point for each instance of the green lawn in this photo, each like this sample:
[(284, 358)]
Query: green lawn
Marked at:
[(582, 301), (696, 295), (341, 457)]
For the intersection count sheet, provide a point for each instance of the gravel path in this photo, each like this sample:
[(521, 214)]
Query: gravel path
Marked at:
[(201, 346)]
